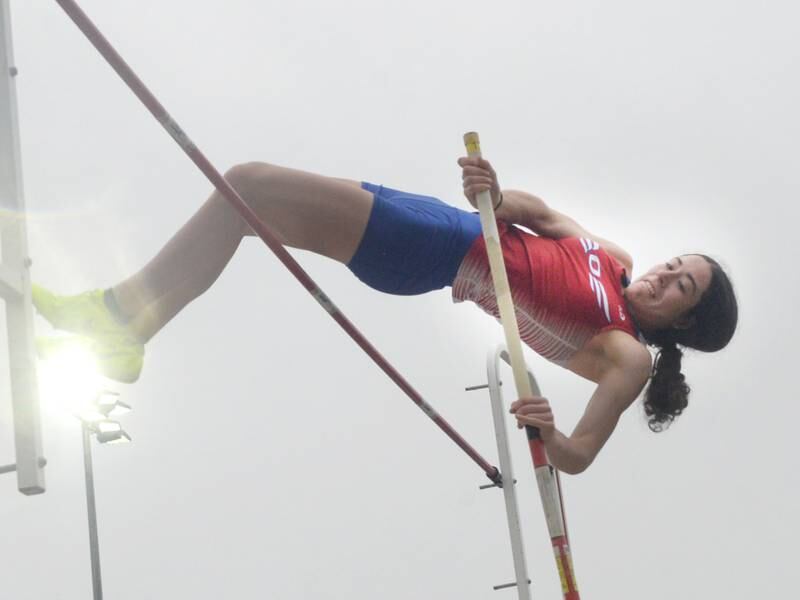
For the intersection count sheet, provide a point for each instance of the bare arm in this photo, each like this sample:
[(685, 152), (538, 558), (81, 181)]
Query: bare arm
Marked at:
[(616, 391), (619, 386), (531, 211), (526, 209)]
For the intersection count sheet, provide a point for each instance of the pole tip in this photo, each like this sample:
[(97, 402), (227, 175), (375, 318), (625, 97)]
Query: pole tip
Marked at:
[(473, 143)]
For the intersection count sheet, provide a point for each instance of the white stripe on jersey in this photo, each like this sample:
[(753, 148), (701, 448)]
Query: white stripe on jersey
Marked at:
[(589, 245), (604, 302), (596, 285)]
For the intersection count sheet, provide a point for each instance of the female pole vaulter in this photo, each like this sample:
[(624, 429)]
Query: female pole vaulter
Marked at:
[(574, 303)]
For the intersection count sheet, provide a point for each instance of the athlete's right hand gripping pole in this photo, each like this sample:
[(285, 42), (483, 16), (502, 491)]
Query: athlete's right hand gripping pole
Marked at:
[(546, 476)]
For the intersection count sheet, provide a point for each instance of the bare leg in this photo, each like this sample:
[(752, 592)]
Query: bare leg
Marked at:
[(321, 214)]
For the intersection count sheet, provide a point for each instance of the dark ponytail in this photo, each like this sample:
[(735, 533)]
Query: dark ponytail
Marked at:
[(714, 319), (668, 393)]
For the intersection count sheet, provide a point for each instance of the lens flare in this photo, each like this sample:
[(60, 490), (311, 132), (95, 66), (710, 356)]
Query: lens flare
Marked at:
[(69, 378)]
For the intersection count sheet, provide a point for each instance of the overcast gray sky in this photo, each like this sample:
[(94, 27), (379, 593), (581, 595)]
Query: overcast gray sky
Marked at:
[(271, 459)]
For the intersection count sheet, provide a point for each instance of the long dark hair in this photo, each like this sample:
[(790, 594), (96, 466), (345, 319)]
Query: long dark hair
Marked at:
[(714, 320)]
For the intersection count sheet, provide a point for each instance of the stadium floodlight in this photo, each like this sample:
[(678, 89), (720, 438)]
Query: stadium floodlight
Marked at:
[(105, 406), (110, 432), (90, 415), (110, 405), (116, 437)]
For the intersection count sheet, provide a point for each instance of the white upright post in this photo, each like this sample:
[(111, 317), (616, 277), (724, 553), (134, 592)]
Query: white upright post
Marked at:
[(15, 280), (506, 468)]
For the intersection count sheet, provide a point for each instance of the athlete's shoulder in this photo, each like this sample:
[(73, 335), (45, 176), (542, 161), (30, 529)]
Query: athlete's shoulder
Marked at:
[(612, 349), (622, 350), (619, 254)]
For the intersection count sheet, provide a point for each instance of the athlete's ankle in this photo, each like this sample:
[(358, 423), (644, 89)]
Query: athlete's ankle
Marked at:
[(110, 300)]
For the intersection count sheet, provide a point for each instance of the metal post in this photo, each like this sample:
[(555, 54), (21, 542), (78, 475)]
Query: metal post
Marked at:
[(13, 468), (15, 279), (94, 546), (506, 467)]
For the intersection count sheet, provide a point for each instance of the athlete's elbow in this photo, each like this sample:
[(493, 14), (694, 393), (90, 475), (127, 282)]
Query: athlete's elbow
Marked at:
[(575, 468), (574, 465), (524, 209), (578, 460)]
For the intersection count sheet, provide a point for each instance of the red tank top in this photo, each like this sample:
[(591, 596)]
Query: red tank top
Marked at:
[(565, 291)]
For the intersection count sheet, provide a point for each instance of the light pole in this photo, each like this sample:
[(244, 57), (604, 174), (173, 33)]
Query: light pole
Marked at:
[(96, 420), (94, 545)]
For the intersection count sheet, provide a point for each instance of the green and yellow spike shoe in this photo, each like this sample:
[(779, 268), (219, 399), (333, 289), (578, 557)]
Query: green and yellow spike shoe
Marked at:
[(118, 351), (118, 358), (84, 313)]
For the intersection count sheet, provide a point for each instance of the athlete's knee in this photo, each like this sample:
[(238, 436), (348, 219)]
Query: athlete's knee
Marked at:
[(255, 182), (246, 177)]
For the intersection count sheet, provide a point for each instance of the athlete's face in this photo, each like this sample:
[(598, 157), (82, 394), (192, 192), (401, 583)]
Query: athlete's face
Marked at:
[(663, 296)]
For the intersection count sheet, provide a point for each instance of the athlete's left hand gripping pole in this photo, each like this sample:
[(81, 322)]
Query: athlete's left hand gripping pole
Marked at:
[(546, 476), (159, 112)]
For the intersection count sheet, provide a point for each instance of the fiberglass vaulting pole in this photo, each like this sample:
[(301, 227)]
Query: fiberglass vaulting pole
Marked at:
[(546, 475), (159, 112)]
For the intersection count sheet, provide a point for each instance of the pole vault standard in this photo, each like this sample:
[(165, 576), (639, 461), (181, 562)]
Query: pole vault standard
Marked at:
[(546, 475), (159, 112)]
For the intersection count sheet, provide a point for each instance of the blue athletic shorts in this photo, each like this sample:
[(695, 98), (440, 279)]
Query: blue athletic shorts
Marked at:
[(412, 244)]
